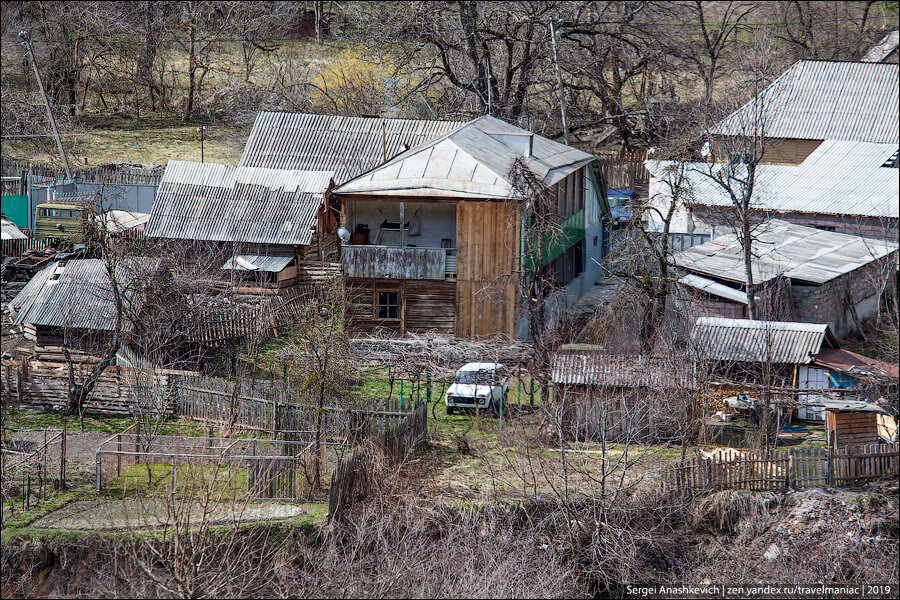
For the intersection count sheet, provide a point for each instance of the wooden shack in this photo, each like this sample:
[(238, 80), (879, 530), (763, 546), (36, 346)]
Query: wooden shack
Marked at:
[(852, 424)]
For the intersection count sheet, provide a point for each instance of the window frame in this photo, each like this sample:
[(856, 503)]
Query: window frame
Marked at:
[(376, 304)]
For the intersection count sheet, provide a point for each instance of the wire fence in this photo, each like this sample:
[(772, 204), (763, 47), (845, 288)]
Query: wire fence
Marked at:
[(32, 466)]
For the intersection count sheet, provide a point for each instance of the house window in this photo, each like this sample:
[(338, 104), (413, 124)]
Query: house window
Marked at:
[(387, 304), (825, 227)]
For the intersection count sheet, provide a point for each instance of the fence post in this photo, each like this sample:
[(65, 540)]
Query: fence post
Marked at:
[(62, 458), (790, 469), (98, 471), (829, 466), (118, 455)]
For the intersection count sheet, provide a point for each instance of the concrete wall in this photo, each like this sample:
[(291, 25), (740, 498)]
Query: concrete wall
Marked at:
[(827, 303)]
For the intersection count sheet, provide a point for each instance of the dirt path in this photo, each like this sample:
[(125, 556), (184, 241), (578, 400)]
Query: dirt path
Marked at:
[(155, 513)]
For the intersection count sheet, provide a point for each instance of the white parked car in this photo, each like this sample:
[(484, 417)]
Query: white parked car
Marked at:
[(477, 385)]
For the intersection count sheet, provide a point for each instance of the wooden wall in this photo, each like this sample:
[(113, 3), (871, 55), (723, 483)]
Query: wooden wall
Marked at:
[(487, 264), (424, 306), (851, 429)]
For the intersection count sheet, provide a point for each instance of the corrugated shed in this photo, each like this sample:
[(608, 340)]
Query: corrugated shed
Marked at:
[(801, 253), (75, 294), (9, 231), (882, 49), (473, 161), (838, 178), (742, 340), (256, 262), (401, 263), (825, 100), (348, 146), (598, 368), (225, 203)]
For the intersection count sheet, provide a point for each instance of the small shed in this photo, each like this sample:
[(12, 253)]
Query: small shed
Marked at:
[(851, 424), (617, 397), (13, 239)]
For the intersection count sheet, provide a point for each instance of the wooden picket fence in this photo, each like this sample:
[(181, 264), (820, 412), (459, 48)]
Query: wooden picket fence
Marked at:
[(42, 385), (793, 468), (266, 406), (352, 479), (49, 174)]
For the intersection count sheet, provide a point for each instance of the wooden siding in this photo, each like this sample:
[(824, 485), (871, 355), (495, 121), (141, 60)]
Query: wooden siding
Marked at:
[(423, 306), (487, 236), (400, 263), (851, 429)]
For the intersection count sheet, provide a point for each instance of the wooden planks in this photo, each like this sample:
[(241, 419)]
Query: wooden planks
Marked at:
[(794, 468), (487, 267)]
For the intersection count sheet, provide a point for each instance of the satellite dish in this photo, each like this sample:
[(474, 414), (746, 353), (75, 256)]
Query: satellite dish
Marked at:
[(343, 234)]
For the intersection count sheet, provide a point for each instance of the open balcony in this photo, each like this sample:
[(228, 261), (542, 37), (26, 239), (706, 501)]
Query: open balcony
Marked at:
[(391, 262)]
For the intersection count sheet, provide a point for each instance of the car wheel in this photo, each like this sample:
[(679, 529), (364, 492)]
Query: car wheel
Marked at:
[(451, 410)]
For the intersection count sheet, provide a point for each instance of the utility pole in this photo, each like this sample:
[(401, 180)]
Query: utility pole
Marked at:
[(201, 130), (562, 99), (62, 152)]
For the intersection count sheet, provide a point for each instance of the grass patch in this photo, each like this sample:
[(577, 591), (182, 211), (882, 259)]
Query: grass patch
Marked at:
[(26, 419)]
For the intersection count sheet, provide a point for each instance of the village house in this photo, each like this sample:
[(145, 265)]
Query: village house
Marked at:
[(267, 225), (830, 155), (793, 357), (436, 234), (805, 274)]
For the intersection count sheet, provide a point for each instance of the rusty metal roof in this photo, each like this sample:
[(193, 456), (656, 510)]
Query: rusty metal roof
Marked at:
[(742, 340), (472, 161), (780, 248), (348, 146), (825, 100), (596, 367), (225, 203)]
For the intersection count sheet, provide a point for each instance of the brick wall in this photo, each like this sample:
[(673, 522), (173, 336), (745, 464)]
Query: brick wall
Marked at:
[(826, 303)]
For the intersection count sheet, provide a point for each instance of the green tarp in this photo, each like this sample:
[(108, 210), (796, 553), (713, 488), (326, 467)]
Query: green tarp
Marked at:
[(555, 242)]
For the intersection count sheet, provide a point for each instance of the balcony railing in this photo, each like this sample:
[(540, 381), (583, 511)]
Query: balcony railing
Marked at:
[(378, 262)]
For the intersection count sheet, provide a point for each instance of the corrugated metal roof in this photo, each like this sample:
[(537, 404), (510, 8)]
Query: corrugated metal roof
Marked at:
[(825, 100), (857, 365), (882, 49), (75, 294), (598, 368), (842, 178), (473, 161), (256, 262), (712, 287), (348, 146), (123, 220), (10, 231), (225, 203), (780, 248), (742, 340)]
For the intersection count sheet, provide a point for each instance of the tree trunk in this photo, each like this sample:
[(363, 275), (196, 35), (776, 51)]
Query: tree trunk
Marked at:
[(192, 70)]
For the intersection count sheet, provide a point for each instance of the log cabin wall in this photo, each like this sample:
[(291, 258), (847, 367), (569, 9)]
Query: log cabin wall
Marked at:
[(423, 306), (487, 265)]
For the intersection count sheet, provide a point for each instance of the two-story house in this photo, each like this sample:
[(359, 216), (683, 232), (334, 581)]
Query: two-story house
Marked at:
[(437, 233)]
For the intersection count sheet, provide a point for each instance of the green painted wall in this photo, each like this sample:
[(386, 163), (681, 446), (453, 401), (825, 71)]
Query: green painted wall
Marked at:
[(16, 210)]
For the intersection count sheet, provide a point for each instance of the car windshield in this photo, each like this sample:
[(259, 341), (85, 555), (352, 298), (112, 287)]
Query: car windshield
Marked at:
[(479, 377)]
